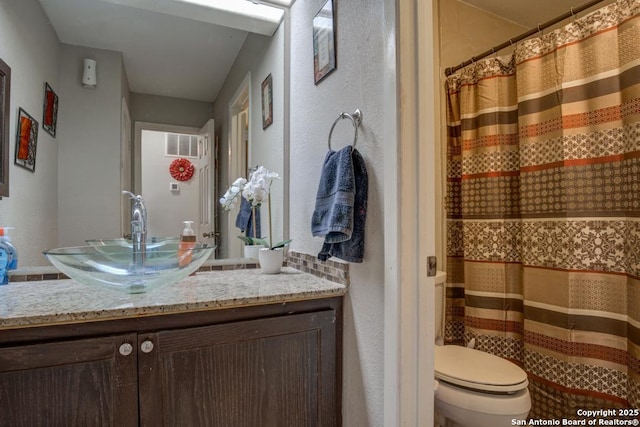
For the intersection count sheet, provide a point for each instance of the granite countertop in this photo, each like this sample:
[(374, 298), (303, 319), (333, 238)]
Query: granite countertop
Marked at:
[(48, 302)]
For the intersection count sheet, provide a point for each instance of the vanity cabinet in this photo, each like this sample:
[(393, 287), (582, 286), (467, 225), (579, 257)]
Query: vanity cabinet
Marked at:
[(275, 365), (69, 383)]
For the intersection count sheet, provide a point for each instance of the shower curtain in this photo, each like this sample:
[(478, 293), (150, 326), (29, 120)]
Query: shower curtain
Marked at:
[(543, 211)]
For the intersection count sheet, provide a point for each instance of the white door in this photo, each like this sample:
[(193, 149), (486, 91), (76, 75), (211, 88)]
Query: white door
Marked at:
[(206, 220), (237, 169), (125, 168), (239, 136)]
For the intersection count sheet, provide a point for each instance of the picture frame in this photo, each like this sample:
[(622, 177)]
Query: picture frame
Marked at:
[(324, 42), (5, 98), (267, 102), (50, 110), (26, 141)]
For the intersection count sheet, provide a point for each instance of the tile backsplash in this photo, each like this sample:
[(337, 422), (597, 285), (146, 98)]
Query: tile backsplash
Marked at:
[(334, 271), (331, 270)]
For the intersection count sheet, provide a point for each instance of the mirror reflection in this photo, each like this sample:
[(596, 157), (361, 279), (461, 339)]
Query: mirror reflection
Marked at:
[(175, 114)]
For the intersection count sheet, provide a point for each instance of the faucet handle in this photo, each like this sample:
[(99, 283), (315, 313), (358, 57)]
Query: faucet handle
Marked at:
[(130, 194), (138, 199)]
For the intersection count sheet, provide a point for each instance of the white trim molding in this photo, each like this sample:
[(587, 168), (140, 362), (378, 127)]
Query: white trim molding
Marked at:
[(410, 210)]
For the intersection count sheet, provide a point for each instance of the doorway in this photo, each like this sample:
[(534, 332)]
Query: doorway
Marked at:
[(173, 198), (126, 150), (239, 161)]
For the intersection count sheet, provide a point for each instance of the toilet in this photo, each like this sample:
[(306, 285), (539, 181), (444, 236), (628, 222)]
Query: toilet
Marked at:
[(473, 388)]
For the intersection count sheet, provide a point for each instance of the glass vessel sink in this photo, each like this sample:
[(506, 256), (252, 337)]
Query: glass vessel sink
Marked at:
[(114, 265)]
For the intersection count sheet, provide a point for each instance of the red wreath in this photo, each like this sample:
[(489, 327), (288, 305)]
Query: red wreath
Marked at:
[(181, 169)]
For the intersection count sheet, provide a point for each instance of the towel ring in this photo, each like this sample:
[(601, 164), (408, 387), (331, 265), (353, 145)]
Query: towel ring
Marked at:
[(356, 119)]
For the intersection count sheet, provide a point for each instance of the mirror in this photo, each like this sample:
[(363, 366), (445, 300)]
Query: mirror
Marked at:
[(186, 77)]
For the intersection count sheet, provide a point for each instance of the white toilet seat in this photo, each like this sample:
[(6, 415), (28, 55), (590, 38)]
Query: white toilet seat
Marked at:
[(478, 370)]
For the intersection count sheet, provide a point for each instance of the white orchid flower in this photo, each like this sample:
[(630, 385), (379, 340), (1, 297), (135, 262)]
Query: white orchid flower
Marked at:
[(255, 190), (239, 183)]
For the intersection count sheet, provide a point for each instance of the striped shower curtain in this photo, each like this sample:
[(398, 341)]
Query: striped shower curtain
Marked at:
[(543, 211)]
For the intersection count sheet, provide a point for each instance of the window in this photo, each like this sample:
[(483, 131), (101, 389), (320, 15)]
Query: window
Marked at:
[(181, 145)]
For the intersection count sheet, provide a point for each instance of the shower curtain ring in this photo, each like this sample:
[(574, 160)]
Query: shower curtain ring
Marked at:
[(573, 15)]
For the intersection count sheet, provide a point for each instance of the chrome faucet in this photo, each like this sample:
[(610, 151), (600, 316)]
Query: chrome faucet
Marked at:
[(138, 228)]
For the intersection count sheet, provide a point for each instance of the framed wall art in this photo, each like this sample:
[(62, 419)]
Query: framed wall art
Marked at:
[(267, 102), (324, 42), (5, 97), (26, 141), (50, 111)]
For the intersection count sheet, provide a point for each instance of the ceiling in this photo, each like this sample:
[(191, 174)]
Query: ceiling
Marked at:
[(526, 13), (163, 39), (186, 56)]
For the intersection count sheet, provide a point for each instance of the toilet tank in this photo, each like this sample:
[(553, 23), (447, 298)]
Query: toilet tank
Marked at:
[(440, 304)]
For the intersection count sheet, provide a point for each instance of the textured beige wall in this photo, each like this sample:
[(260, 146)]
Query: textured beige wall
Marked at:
[(28, 44), (465, 31), (357, 82)]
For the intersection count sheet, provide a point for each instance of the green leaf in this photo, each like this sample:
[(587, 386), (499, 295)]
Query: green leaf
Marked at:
[(262, 242), (278, 245), (282, 244), (251, 240)]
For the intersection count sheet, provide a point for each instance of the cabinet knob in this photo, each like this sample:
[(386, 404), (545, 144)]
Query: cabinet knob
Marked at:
[(126, 349), (146, 346)]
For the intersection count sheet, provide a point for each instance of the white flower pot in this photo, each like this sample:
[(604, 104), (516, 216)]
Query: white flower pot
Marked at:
[(251, 251), (271, 260)]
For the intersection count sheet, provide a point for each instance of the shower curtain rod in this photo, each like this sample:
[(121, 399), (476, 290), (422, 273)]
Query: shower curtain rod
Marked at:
[(523, 36)]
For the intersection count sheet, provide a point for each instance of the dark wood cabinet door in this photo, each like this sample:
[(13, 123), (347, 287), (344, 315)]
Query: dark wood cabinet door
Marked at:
[(278, 371), (70, 383)]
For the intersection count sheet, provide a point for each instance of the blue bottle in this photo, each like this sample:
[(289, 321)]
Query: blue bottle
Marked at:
[(11, 253), (4, 261)]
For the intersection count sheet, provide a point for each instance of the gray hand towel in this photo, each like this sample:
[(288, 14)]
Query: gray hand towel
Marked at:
[(352, 250), (344, 182), (333, 214), (244, 220)]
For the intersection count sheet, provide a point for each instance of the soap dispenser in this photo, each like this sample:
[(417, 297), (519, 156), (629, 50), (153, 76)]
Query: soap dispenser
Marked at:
[(187, 242)]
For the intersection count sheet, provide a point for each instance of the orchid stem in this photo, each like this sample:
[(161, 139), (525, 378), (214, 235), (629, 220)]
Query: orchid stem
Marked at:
[(253, 217), (269, 212)]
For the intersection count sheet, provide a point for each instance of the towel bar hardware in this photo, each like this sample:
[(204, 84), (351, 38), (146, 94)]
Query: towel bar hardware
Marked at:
[(356, 120)]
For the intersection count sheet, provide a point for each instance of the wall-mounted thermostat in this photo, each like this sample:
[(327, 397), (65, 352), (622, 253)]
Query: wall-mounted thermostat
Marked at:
[(174, 186)]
